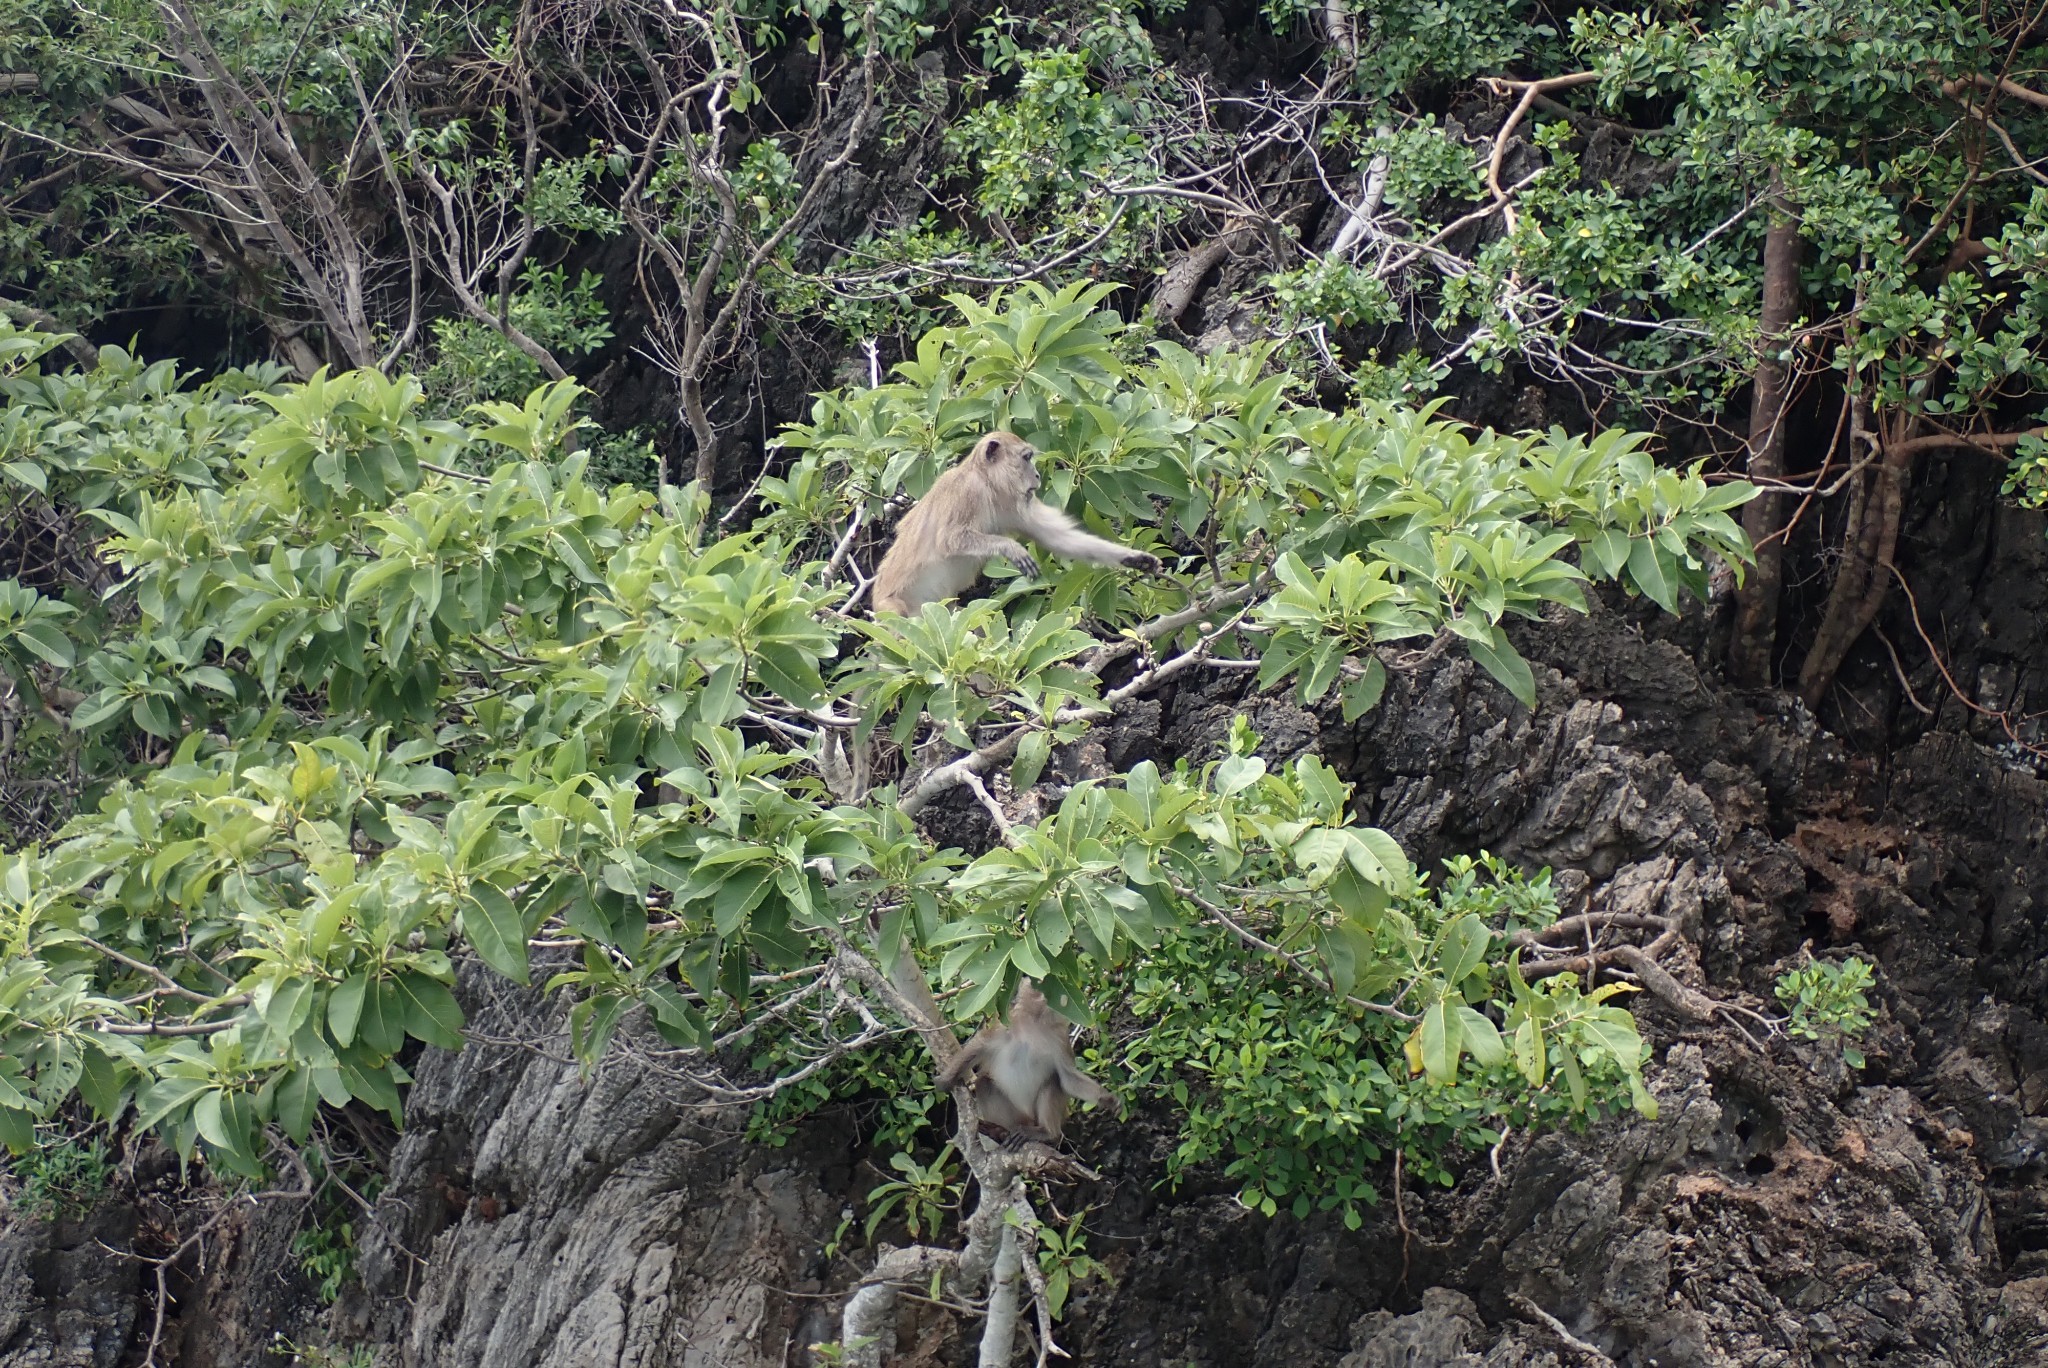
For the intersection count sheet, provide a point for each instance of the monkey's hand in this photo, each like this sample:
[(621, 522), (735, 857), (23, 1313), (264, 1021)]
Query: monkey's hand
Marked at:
[(1026, 563), (1143, 560)]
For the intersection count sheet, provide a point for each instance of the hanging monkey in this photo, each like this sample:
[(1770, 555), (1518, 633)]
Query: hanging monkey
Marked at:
[(1024, 1072)]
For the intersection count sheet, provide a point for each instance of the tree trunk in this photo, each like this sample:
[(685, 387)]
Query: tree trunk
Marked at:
[(1756, 612), (1865, 577), (702, 434)]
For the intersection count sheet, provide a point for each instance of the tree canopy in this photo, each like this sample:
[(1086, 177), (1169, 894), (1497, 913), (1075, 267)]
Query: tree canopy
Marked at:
[(352, 709)]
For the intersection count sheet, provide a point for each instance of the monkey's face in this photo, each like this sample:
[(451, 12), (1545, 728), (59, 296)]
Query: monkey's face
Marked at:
[(1011, 461)]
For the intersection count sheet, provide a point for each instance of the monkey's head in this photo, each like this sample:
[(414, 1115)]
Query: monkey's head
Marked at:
[(1009, 462), (1029, 1002)]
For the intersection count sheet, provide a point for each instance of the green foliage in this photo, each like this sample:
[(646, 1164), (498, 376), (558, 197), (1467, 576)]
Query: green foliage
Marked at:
[(327, 1256), (1405, 42), (325, 1356), (61, 1175), (922, 1197), (1827, 1002), (1299, 1095), (474, 361), (83, 233), (1332, 292), (1425, 525), (1064, 1259), (1054, 132), (891, 1083), (1062, 108), (360, 713), (30, 634), (325, 1246), (833, 1352), (1633, 269), (959, 668), (2026, 480)]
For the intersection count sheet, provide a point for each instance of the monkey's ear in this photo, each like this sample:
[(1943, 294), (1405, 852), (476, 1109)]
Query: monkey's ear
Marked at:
[(991, 449)]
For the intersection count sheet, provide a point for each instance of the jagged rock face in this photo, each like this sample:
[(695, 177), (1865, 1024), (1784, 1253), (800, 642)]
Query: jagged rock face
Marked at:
[(62, 1300), (1775, 1212), (1779, 1211), (534, 1218)]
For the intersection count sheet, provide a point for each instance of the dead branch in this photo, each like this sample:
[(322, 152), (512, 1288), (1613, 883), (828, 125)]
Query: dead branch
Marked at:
[(693, 329), (1177, 288), (1564, 1336), (2004, 86), (271, 167), (1501, 85), (28, 316)]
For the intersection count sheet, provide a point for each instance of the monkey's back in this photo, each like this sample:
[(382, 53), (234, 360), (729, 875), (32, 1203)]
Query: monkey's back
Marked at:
[(921, 565)]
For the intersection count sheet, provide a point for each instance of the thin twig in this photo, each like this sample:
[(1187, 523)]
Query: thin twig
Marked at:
[(1556, 1327)]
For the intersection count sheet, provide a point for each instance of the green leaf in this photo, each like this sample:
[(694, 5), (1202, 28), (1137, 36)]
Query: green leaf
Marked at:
[(1361, 695), (99, 1083), (1501, 660), (1646, 569), (1238, 772), (1481, 1037), (374, 1086), (11, 1096), (740, 893), (207, 1115), (332, 1086), (1032, 753), (44, 640), (1575, 1081), (1465, 944), (1357, 897), (296, 1103), (1619, 1039), (1530, 1054), (496, 931), (345, 1008), (718, 702), (1026, 955), (383, 1024), (1440, 1043), (1608, 550), (165, 1096), (431, 1013)]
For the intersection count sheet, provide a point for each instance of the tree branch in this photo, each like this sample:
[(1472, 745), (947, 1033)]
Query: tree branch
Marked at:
[(29, 316), (1954, 89)]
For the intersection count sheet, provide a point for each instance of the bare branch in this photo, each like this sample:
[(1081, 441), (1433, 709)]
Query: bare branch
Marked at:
[(1955, 89), (27, 315)]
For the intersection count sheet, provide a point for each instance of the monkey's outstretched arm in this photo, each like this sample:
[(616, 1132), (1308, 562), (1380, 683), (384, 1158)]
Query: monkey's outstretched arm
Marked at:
[(1057, 533), (1080, 1085)]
